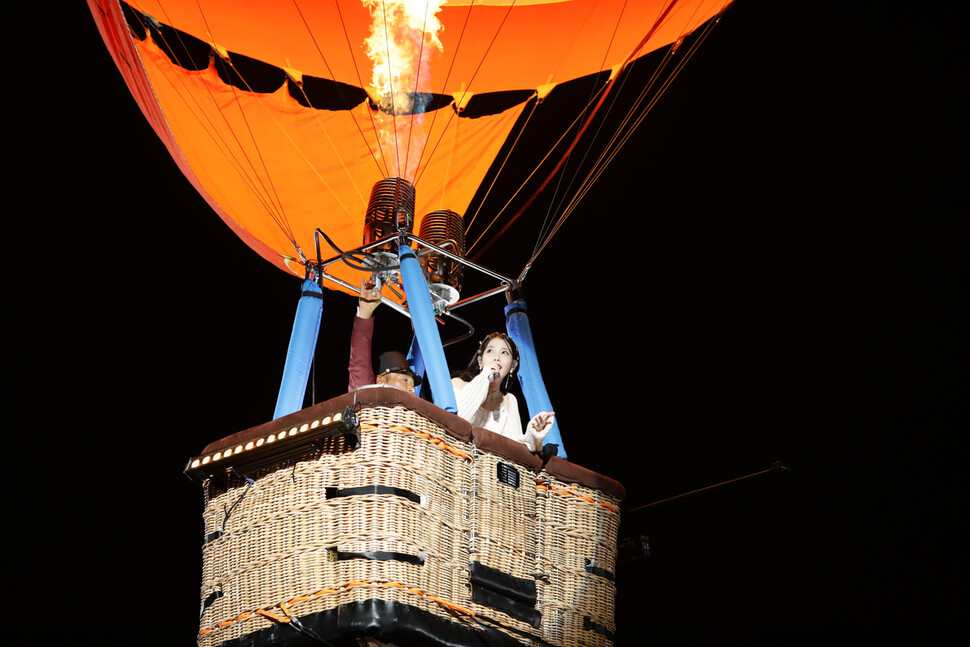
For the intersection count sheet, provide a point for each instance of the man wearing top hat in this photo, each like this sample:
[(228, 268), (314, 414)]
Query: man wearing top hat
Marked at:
[(393, 369)]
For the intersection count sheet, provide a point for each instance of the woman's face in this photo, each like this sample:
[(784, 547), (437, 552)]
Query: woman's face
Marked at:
[(498, 354)]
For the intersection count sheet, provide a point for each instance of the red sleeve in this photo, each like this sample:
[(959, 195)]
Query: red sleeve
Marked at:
[(361, 366)]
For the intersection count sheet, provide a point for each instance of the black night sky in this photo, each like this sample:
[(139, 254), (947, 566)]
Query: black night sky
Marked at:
[(795, 290)]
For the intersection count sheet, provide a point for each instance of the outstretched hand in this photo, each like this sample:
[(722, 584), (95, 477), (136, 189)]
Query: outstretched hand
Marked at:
[(370, 297), (537, 429), (542, 422)]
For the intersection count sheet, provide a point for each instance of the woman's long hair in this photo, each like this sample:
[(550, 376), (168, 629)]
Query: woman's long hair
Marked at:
[(473, 368)]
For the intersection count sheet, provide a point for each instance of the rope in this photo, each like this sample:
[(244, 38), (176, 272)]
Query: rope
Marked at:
[(250, 179), (624, 132), (422, 434), (434, 115), (287, 618), (327, 65), (543, 486)]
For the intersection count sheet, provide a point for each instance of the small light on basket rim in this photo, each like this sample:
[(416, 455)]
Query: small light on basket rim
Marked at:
[(288, 439)]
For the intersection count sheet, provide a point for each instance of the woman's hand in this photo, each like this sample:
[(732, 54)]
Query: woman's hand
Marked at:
[(537, 429), (492, 372), (542, 422)]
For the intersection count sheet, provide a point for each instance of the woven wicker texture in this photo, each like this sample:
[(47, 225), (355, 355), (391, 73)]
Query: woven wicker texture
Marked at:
[(577, 529), (285, 543), (279, 536), (502, 524)]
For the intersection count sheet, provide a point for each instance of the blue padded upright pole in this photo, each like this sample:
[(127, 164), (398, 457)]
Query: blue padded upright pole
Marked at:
[(299, 355), (530, 377), (425, 329), (416, 362)]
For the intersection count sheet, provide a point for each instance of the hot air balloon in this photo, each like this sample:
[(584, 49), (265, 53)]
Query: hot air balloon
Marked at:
[(351, 136)]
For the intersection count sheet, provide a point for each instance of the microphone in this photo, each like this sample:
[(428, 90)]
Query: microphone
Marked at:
[(491, 376)]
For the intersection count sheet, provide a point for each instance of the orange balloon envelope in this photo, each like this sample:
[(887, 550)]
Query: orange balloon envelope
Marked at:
[(303, 106)]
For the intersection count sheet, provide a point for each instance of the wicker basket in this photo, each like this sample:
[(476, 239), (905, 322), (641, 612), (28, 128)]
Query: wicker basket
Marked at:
[(422, 514), (577, 547)]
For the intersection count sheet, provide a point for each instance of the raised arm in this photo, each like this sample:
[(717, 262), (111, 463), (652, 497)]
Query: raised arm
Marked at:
[(361, 366), (370, 297)]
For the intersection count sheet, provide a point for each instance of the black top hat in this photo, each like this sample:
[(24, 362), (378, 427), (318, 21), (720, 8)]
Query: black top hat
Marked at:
[(394, 361)]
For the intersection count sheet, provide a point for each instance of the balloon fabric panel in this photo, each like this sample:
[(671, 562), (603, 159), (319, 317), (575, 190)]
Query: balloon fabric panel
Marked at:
[(279, 170), (275, 170)]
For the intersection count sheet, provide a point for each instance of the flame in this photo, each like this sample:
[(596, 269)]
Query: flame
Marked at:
[(404, 35)]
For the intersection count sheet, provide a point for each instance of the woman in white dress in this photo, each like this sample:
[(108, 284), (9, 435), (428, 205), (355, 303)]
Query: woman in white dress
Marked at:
[(482, 394)]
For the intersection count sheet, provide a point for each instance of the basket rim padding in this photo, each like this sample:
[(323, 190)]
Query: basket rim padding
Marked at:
[(453, 425), (366, 396)]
